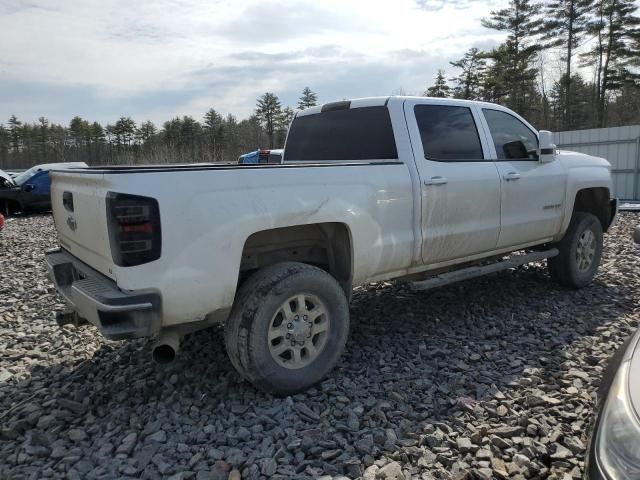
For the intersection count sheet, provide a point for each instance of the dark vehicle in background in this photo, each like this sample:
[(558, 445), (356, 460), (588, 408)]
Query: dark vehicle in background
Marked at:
[(15, 172), (614, 446), (30, 191), (5, 177)]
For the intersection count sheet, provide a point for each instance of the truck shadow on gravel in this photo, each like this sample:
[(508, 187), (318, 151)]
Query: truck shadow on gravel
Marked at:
[(455, 379)]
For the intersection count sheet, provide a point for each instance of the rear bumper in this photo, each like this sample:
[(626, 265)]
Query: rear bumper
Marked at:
[(98, 299)]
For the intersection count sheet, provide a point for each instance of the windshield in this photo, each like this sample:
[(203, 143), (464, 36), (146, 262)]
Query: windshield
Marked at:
[(24, 176)]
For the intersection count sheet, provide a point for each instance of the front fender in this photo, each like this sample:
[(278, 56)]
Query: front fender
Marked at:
[(582, 178)]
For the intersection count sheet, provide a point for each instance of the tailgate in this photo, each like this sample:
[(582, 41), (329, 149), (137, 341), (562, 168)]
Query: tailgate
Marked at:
[(78, 202)]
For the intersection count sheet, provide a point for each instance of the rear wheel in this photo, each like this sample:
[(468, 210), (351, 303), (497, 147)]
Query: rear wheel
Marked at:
[(580, 251), (288, 327), (10, 207)]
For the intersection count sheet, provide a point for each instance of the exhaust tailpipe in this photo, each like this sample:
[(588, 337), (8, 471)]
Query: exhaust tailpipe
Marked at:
[(166, 348)]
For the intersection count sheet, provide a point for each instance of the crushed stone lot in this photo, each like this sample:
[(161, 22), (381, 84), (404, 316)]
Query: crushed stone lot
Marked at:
[(490, 378)]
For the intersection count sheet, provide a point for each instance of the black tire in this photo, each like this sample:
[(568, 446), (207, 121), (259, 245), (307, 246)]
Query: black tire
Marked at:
[(257, 305), (565, 267)]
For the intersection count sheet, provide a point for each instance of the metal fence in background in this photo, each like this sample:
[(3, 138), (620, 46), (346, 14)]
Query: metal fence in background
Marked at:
[(619, 145)]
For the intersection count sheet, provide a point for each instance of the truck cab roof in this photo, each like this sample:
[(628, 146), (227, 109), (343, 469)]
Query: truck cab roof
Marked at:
[(381, 101)]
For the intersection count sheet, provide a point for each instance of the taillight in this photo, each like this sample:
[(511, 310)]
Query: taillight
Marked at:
[(263, 156), (134, 229)]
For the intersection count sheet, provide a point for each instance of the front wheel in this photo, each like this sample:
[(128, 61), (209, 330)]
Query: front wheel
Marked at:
[(580, 251), (288, 327)]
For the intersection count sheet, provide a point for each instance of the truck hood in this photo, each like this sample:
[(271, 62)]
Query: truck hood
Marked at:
[(7, 178), (579, 159)]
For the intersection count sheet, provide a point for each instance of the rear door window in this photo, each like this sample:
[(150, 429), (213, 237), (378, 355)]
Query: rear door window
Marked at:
[(448, 133), (512, 138), (363, 133)]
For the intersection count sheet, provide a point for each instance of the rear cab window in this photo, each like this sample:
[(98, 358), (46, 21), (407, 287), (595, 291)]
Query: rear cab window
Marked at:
[(448, 133), (342, 133)]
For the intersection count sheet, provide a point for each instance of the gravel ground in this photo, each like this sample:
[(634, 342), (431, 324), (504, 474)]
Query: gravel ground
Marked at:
[(490, 378)]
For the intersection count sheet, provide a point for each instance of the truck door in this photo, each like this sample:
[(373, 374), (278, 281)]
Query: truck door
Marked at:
[(532, 192), (460, 187)]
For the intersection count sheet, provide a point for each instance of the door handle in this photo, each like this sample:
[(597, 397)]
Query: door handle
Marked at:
[(436, 181), (511, 176)]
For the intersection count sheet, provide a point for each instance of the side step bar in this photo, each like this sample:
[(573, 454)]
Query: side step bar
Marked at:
[(479, 270)]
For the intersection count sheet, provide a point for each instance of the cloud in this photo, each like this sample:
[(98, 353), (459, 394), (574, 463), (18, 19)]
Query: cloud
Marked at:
[(340, 74), (156, 60), (8, 7), (436, 5), (272, 22)]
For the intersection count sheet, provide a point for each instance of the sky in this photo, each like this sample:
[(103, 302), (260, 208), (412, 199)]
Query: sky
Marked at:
[(157, 59)]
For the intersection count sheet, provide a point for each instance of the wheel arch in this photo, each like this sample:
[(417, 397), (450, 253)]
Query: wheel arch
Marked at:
[(592, 197), (328, 245), (594, 200)]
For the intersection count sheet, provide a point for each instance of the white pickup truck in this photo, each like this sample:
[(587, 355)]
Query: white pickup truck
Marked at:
[(421, 189)]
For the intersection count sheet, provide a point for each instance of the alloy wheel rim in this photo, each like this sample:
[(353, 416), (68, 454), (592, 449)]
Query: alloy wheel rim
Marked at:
[(586, 250), (298, 331)]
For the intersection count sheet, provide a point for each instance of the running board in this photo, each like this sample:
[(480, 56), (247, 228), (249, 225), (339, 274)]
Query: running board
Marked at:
[(479, 270)]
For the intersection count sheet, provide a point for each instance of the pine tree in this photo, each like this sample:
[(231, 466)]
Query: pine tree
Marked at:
[(267, 110), (15, 126), (42, 138), (4, 145), (97, 134), (308, 99), (212, 122), (146, 132), (95, 142), (440, 87), (190, 130), (125, 131), (214, 130), (79, 130), (473, 66), (580, 107), (513, 70), (171, 130), (625, 109), (110, 134), (566, 23), (231, 147), (615, 52), (283, 122)]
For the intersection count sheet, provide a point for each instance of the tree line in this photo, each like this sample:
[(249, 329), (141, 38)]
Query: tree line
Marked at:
[(590, 47), (601, 36), (181, 139)]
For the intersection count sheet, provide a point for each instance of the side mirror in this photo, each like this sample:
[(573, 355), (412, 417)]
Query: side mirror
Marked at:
[(28, 187), (547, 149)]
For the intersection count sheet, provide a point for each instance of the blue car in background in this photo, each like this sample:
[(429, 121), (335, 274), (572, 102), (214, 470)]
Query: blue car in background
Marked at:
[(273, 155), (30, 191)]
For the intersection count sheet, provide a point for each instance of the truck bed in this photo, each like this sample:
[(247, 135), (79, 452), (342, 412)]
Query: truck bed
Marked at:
[(208, 212)]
